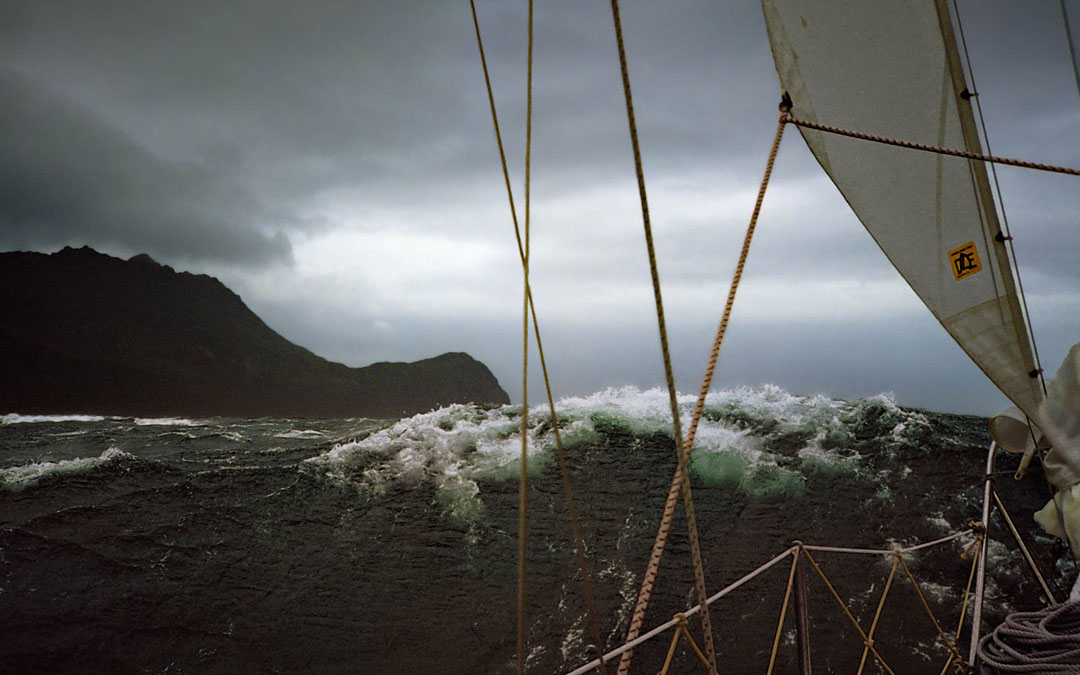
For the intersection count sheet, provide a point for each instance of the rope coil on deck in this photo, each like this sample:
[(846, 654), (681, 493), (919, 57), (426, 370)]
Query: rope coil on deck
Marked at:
[(1046, 642)]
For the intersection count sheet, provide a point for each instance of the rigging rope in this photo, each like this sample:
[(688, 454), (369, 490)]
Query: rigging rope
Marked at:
[(1044, 642), (931, 148), (680, 449), (1023, 548), (974, 549), (877, 613), (950, 644), (622, 649), (523, 478), (1074, 58), (1001, 204), (783, 614), (668, 514), (579, 543), (710, 369), (847, 612), (805, 549)]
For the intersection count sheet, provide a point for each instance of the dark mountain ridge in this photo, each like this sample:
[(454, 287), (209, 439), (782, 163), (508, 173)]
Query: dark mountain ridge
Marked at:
[(84, 332)]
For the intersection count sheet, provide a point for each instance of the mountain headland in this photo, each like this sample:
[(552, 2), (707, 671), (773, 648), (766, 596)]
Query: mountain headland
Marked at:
[(84, 332)]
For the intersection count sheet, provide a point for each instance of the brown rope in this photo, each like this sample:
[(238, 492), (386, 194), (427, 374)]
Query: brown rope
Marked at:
[(930, 148), (877, 613), (710, 369), (668, 514), (568, 492), (783, 612), (1023, 548), (847, 612), (950, 644), (974, 548), (680, 449), (523, 476)]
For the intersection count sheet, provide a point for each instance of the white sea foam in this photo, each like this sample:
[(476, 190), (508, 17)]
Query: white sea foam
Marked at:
[(938, 520), (300, 433), (453, 447), (759, 439), (166, 422), (19, 478), (15, 418)]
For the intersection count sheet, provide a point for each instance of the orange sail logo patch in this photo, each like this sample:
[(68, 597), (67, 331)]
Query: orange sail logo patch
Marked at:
[(965, 261)]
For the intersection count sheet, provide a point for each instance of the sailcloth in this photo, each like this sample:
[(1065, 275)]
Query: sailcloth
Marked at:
[(891, 68)]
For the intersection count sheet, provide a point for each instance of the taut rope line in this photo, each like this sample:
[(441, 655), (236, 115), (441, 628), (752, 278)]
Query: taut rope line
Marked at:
[(579, 542), (1001, 204), (931, 148), (950, 643), (972, 549), (1073, 57), (523, 476), (869, 644), (783, 614), (805, 550), (710, 369), (653, 566), (680, 448)]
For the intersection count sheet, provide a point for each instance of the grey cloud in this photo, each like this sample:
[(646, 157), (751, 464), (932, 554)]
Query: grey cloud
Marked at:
[(66, 177), (219, 133)]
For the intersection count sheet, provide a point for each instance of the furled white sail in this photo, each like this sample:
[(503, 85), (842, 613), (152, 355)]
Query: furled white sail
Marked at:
[(891, 68)]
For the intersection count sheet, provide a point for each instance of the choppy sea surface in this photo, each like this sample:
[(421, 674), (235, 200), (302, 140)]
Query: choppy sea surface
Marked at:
[(389, 546)]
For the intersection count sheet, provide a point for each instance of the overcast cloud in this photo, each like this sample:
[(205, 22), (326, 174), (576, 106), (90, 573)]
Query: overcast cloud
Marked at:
[(334, 163)]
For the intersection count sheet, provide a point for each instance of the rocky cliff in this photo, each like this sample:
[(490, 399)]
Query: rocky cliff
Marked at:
[(83, 332)]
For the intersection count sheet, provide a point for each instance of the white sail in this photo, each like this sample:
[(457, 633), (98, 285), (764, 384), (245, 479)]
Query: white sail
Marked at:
[(891, 68)]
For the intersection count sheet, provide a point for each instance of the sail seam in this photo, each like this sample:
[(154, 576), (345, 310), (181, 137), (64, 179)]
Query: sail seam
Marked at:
[(1001, 205)]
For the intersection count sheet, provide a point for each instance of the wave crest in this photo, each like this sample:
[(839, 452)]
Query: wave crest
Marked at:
[(18, 478), (760, 440)]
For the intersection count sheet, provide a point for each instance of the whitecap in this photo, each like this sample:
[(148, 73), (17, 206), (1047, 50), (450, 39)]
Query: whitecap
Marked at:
[(17, 478), (300, 433), (15, 418), (166, 422)]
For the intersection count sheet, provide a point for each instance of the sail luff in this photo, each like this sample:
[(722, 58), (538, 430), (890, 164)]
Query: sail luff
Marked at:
[(989, 208), (893, 69)]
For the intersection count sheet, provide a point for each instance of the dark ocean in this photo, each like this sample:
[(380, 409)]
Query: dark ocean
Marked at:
[(389, 546)]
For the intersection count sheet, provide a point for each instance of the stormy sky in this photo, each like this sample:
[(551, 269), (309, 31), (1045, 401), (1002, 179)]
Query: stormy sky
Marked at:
[(334, 163)]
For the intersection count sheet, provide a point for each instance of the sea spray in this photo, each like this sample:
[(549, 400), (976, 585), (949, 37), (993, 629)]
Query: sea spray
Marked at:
[(341, 545)]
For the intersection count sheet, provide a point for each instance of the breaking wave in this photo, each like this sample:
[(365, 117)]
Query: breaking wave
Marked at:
[(15, 418), (166, 422), (760, 440), (18, 478)]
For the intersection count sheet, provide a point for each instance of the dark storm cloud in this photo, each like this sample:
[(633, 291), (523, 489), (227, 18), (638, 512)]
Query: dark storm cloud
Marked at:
[(67, 177), (202, 130), (282, 104), (354, 139)]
